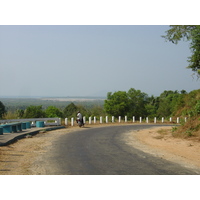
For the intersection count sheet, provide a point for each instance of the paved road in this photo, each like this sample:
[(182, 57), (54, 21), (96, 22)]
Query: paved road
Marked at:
[(100, 151)]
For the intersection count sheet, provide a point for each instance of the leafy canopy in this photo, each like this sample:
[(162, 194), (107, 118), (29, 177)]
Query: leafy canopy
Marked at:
[(190, 33)]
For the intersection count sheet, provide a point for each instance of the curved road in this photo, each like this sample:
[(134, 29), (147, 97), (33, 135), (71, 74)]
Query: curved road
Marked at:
[(101, 151)]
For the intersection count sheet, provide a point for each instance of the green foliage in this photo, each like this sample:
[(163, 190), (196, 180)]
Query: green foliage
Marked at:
[(131, 103), (34, 112), (70, 110), (20, 113), (136, 103), (116, 103), (190, 33), (2, 110), (52, 111), (169, 102)]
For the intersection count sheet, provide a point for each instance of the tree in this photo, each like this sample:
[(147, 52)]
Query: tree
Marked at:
[(137, 101), (152, 106), (190, 33), (20, 113), (116, 103), (52, 111), (34, 112), (2, 110), (70, 110)]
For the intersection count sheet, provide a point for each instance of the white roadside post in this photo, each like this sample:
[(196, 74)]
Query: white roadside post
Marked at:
[(170, 119), (178, 120), (125, 119), (95, 120), (147, 120), (162, 119), (113, 119), (60, 122), (66, 121), (106, 119), (154, 120), (72, 121), (140, 119), (133, 119), (90, 120), (84, 120), (119, 119), (185, 119), (101, 121)]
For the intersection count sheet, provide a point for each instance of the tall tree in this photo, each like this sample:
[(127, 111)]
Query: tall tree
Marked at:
[(70, 110), (190, 33), (116, 103), (137, 102)]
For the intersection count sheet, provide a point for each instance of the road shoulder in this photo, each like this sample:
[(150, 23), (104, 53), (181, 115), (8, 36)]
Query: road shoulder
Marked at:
[(186, 152)]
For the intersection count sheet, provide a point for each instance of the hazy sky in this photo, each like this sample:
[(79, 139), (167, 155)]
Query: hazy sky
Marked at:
[(91, 60)]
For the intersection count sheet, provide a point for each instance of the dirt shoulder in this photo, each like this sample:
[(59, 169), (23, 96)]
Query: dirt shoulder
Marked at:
[(159, 142), (25, 156)]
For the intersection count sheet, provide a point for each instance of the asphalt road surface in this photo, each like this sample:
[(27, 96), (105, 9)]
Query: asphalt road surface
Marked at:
[(101, 151)]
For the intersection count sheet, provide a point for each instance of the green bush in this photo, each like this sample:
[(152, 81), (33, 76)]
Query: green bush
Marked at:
[(34, 112)]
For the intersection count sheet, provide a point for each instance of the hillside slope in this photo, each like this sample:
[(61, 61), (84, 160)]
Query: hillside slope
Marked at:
[(190, 108)]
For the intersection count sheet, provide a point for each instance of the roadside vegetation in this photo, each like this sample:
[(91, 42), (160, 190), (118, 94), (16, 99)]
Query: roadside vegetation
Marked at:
[(121, 103)]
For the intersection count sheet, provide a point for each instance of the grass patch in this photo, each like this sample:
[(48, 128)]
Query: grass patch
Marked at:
[(162, 133), (188, 129)]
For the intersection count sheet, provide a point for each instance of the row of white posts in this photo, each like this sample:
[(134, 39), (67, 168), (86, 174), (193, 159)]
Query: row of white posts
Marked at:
[(119, 120)]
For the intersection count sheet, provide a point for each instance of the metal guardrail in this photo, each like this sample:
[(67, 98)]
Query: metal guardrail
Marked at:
[(47, 121)]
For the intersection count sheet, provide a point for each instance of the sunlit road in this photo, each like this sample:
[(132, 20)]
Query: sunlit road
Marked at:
[(101, 151)]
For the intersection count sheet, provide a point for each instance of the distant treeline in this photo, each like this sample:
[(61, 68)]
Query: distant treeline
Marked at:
[(13, 104), (120, 103)]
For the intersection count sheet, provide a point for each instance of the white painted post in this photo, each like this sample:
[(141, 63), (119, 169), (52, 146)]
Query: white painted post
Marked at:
[(90, 120), (106, 119), (125, 118), (84, 120), (170, 119), (155, 120), (72, 121), (178, 120), (162, 119), (133, 119), (95, 120), (185, 119), (59, 121), (66, 121), (147, 120), (119, 119), (140, 119), (101, 121), (113, 119)]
